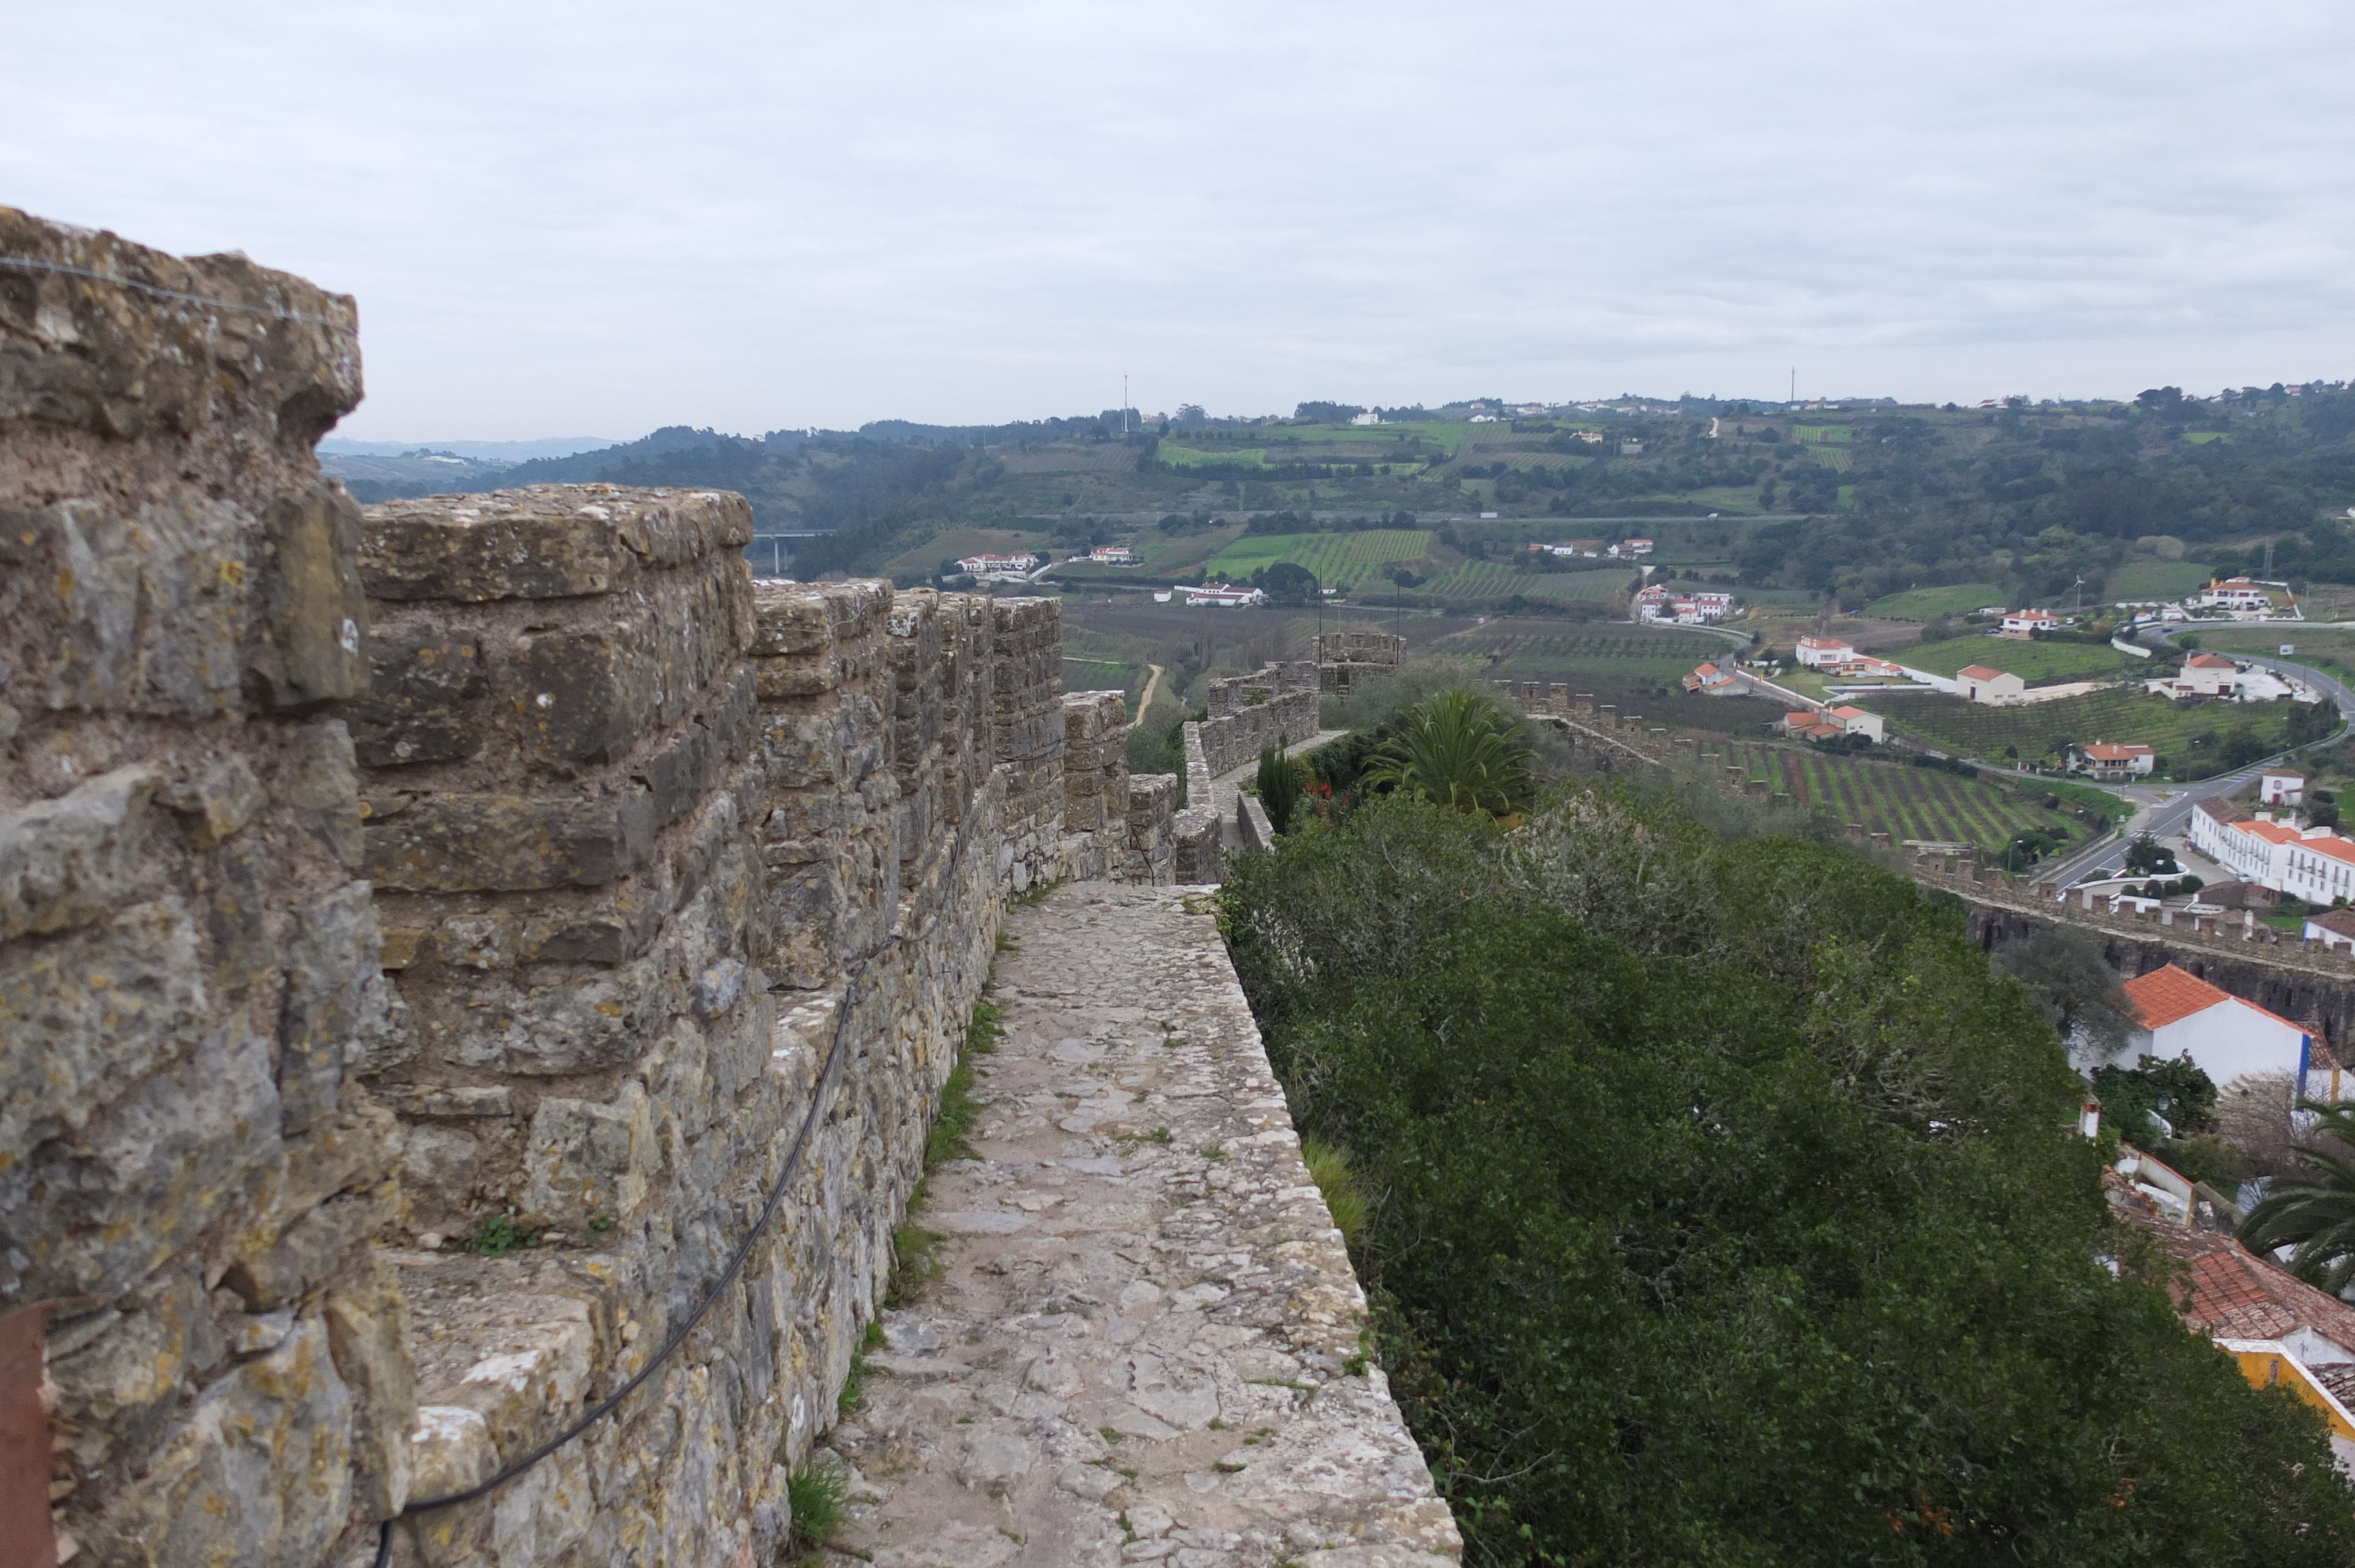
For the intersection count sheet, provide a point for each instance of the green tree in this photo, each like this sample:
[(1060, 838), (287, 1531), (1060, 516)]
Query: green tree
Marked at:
[(1721, 1211), (1280, 786), (2315, 1210), (1287, 582), (1459, 749), (2073, 983)]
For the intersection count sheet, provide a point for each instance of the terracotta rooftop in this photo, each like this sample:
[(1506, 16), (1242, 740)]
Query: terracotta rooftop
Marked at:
[(2339, 920), (2224, 810), (1977, 672), (2168, 994), (2208, 661), (2107, 751), (2226, 1291)]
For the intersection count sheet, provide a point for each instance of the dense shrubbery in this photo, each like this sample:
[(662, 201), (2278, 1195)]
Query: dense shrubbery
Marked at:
[(1723, 1210)]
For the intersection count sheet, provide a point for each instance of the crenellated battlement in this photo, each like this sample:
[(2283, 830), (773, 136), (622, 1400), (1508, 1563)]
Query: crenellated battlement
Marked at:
[(506, 870)]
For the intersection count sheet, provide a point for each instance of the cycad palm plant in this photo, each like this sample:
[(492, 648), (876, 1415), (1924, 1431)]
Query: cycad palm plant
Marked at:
[(1458, 749), (2314, 1213)]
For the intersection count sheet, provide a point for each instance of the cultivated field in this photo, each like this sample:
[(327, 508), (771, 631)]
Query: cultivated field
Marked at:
[(1635, 652), (1339, 560), (2121, 714), (1904, 802), (2158, 579), (2033, 663), (1824, 435), (1925, 604)]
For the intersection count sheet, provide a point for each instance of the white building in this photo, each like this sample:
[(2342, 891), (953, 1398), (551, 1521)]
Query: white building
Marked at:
[(2332, 929), (1369, 416), (1659, 603), (2236, 594), (2028, 622), (2180, 1014), (2316, 864), (1112, 556), (1978, 683), (1815, 650), (2115, 763), (2282, 790), (987, 565), (1636, 547), (1855, 721), (1224, 594)]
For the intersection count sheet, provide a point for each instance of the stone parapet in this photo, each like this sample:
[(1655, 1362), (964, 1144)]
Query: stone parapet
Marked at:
[(502, 869), (1277, 706), (188, 959), (1347, 661)]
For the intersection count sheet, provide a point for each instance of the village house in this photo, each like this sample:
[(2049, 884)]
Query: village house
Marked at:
[(1855, 721), (1226, 595), (2028, 622), (2235, 594), (2314, 863), (2331, 928), (2112, 762), (1660, 603), (993, 565), (1810, 725), (2178, 1015), (1816, 652), (2280, 1330), (1978, 683), (2281, 789), (1367, 417), (1711, 681), (1112, 556)]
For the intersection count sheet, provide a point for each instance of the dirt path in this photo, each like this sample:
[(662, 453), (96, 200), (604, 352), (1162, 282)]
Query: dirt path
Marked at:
[(1144, 702)]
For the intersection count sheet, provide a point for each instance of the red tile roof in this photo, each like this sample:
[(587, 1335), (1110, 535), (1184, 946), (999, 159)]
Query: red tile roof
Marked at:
[(2226, 1291), (1977, 672), (2224, 810), (2168, 994), (2104, 751), (2208, 661)]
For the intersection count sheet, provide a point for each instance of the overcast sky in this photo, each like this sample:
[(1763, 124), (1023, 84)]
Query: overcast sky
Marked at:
[(590, 219)]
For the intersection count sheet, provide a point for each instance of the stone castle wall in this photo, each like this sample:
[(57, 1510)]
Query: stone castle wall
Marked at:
[(1276, 706), (190, 1185), (490, 865)]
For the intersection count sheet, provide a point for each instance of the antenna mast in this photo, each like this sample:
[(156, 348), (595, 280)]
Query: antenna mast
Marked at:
[(1123, 403)]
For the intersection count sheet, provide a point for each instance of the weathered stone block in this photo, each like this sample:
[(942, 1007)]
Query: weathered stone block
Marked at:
[(261, 1472), (423, 678), (311, 599), (585, 1159), (456, 843), (334, 994), (93, 1213), (549, 541), (67, 862), (215, 800)]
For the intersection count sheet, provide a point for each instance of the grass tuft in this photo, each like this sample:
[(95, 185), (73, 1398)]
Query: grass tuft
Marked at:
[(820, 1497), (1330, 1169), (499, 1235)]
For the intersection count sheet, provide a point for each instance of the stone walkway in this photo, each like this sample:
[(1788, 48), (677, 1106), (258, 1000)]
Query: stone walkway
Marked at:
[(1144, 1343)]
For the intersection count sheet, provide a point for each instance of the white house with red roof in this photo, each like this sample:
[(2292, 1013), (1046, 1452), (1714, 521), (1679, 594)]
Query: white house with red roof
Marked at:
[(1855, 721), (1979, 684), (1223, 594), (2177, 1013), (2316, 864), (1815, 650), (2029, 622), (2280, 788), (2114, 761), (2236, 593)]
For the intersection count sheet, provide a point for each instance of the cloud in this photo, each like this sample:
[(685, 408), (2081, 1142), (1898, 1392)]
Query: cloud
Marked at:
[(609, 217)]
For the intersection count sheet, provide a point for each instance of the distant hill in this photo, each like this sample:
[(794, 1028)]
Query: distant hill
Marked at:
[(479, 451)]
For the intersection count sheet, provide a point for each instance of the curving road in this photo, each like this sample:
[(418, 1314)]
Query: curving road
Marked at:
[(2166, 811)]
